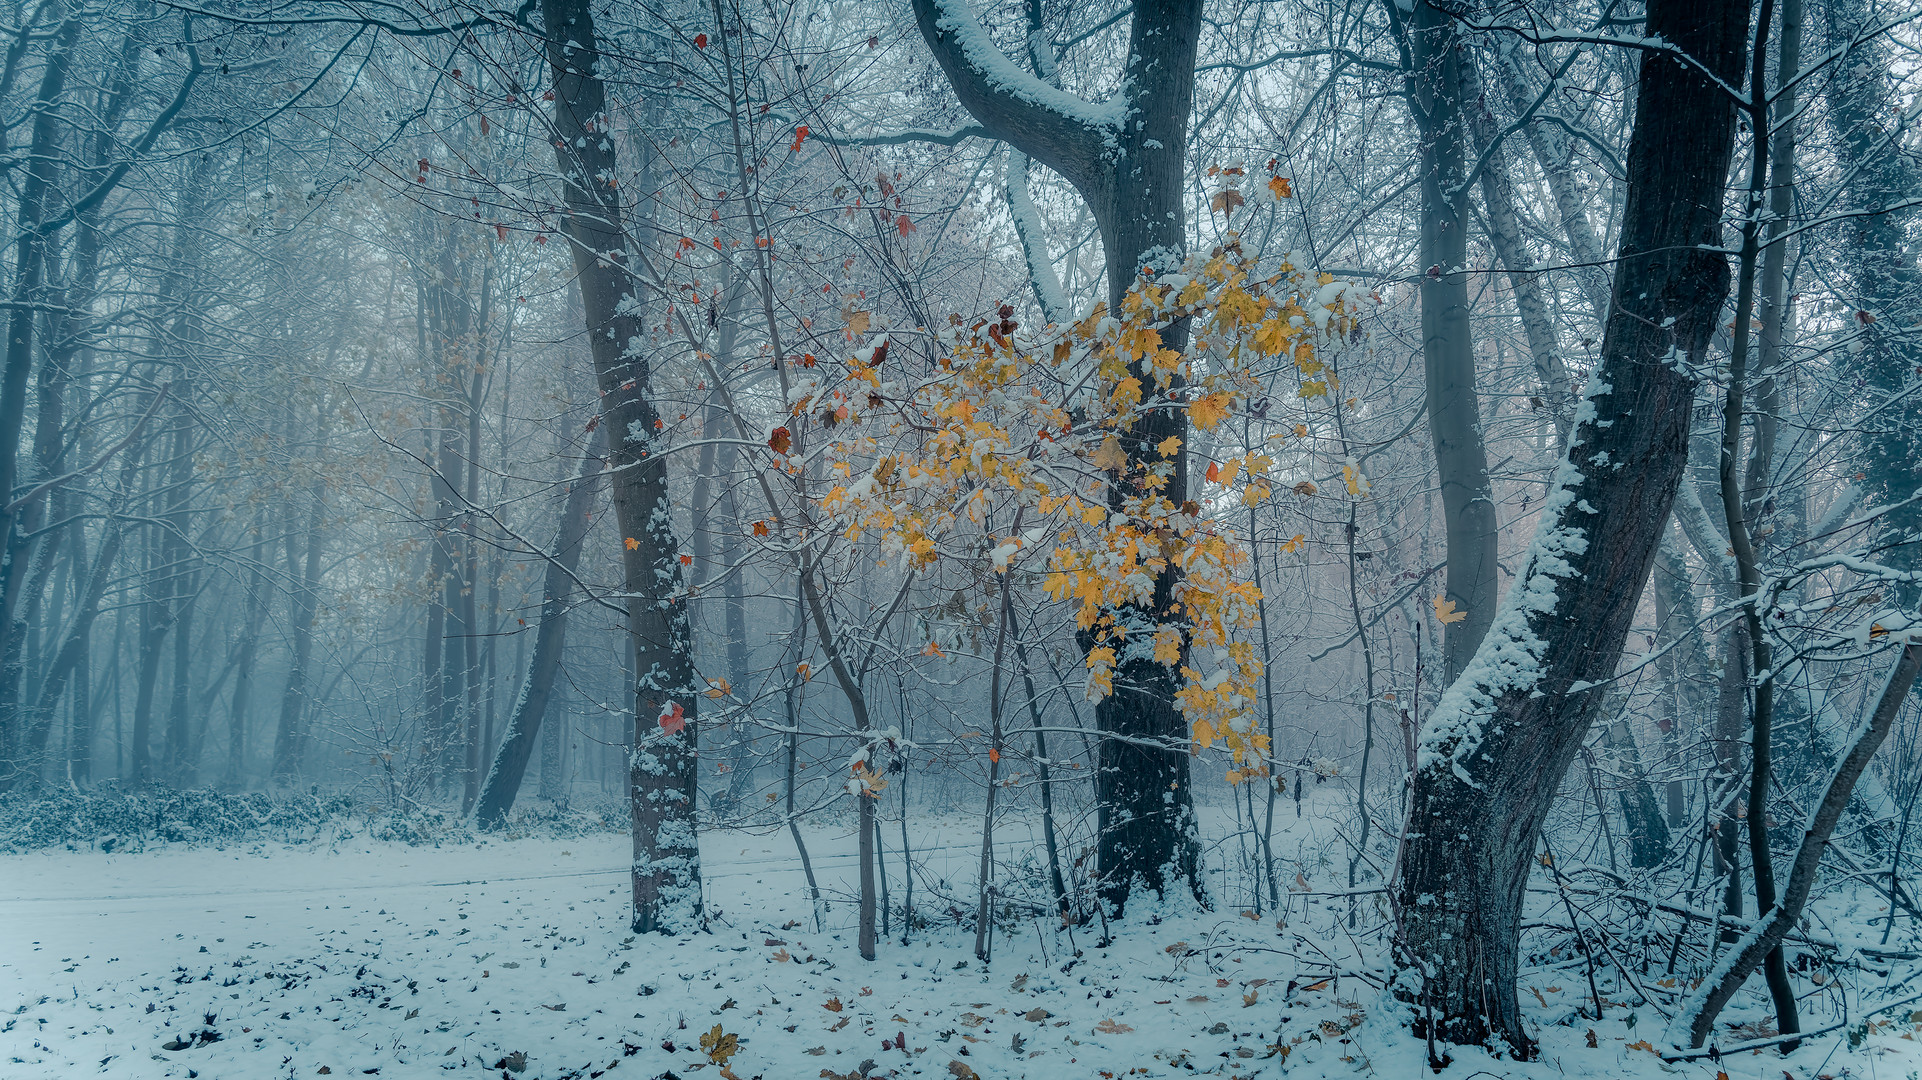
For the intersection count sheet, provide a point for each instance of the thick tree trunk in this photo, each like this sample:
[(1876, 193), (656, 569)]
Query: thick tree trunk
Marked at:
[(1494, 750), (662, 772), (537, 683), (1127, 159)]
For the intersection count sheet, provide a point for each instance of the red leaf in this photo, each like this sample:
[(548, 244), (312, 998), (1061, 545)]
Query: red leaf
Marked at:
[(1214, 473), (501, 231), (673, 719), (700, 41), (800, 136), (780, 440), (904, 225)]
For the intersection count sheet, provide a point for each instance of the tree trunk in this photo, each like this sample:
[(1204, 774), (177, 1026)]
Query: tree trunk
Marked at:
[(662, 772), (1437, 84), (291, 735), (1497, 745), (537, 684), (1127, 160)]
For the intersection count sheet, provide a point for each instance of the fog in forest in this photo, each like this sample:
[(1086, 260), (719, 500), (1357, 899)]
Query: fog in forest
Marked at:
[(1402, 515)]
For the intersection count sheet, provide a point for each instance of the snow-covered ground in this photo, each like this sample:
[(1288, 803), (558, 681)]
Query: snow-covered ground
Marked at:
[(513, 957)]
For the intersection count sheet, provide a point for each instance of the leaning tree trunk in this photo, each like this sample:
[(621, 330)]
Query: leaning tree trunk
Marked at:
[(1494, 750), (662, 770), (1127, 159), (537, 685)]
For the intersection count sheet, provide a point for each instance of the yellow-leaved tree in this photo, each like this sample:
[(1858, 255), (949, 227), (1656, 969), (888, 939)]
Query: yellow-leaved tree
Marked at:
[(1030, 420)]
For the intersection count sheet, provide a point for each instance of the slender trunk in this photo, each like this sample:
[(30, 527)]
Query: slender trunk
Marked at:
[(1505, 235), (1044, 774), (537, 682), (1436, 58), (292, 734), (984, 910), (1765, 936)]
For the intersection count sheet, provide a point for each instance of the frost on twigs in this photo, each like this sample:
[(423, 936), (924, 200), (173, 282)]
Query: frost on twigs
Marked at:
[(1044, 429)]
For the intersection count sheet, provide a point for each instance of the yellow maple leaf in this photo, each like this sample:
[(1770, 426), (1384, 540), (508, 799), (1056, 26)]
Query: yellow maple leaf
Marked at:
[(1280, 188), (1169, 446), (633, 544), (1167, 645), (1204, 735), (720, 1045), (1110, 456), (1447, 612), (1208, 410)]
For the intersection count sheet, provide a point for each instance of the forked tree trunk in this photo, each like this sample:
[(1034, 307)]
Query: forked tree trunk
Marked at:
[(1127, 159), (661, 766), (1496, 747)]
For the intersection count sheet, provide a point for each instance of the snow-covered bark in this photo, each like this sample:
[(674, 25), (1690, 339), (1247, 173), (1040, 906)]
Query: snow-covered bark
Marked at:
[(1494, 750), (661, 765)]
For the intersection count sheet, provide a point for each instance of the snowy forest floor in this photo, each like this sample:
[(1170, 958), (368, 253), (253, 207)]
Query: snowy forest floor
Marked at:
[(513, 958)]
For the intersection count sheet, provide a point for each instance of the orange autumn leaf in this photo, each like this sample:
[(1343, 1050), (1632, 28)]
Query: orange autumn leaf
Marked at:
[(760, 528), (1447, 612), (780, 440), (633, 544), (1280, 187), (800, 136), (994, 755), (673, 719)]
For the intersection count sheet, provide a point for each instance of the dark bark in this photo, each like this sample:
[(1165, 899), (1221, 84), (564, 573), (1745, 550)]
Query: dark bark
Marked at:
[(1126, 159), (1496, 747), (550, 635), (662, 773)]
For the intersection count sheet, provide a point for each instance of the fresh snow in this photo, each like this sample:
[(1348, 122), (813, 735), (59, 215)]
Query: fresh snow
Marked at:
[(373, 958)]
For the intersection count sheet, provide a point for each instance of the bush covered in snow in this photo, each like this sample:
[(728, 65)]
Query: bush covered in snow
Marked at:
[(115, 818)]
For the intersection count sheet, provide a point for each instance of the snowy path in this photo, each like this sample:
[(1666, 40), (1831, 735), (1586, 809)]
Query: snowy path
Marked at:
[(387, 960)]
